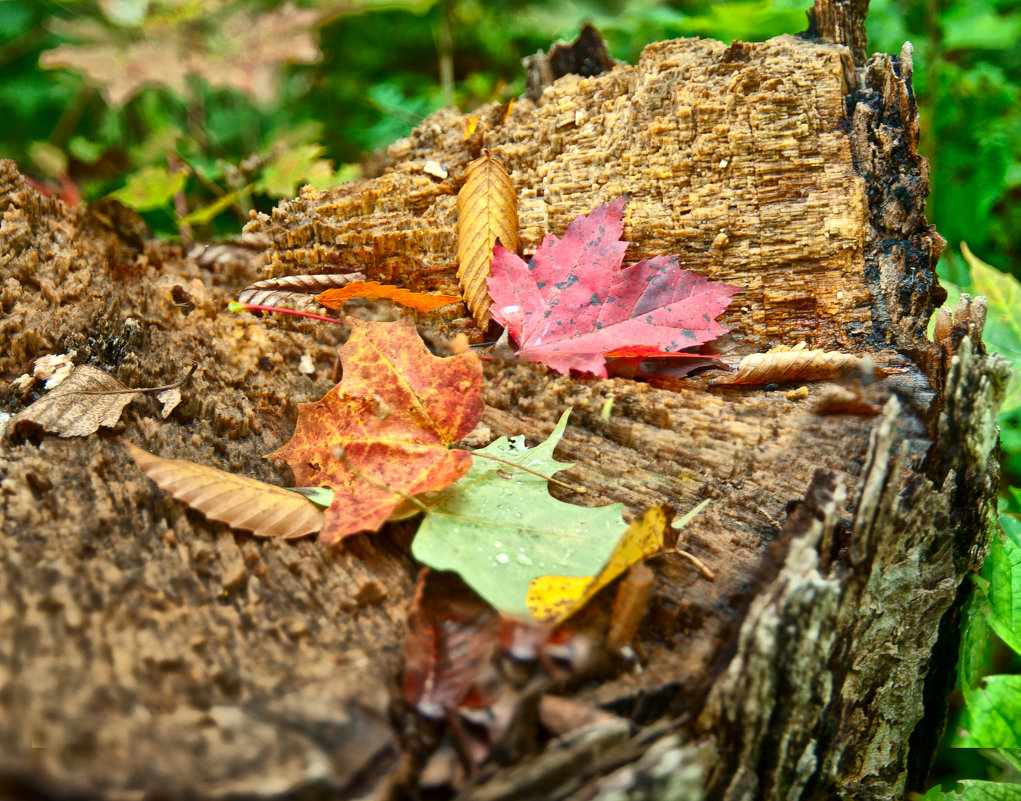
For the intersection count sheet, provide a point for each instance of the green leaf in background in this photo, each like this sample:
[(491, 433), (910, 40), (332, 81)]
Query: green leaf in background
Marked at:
[(974, 790), (992, 716), (1003, 322), (1003, 566), (499, 528), (51, 160), (293, 167), (974, 656), (206, 213), (150, 188)]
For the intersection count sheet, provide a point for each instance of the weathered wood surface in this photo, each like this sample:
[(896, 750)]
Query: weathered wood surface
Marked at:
[(147, 653)]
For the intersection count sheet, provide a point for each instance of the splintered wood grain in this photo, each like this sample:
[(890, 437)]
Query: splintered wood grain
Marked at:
[(736, 159)]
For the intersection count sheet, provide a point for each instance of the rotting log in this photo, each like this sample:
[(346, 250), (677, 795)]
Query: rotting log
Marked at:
[(146, 653)]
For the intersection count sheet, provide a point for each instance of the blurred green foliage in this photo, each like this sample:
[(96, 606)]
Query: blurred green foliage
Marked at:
[(234, 87), (195, 112)]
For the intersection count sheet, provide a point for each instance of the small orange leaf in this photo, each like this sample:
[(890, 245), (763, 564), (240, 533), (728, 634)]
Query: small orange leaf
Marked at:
[(487, 210), (552, 599), (386, 430), (241, 502), (419, 301)]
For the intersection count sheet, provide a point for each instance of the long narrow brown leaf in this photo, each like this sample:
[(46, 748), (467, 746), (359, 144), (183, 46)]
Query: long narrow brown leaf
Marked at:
[(298, 289), (241, 502), (87, 399), (487, 210), (783, 365)]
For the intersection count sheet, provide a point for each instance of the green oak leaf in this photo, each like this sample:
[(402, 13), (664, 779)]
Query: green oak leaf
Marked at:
[(499, 528)]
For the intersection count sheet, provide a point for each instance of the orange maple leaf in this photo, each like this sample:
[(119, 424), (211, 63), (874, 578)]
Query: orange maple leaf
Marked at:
[(419, 301), (393, 419)]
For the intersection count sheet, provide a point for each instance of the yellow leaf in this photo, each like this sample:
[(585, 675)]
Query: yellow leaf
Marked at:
[(552, 599), (419, 301), (241, 502), (487, 210)]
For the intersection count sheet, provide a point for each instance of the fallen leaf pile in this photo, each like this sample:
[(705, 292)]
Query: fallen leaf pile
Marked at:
[(506, 563)]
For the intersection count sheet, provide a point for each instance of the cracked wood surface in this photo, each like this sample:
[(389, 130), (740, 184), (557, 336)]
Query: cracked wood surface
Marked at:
[(145, 652)]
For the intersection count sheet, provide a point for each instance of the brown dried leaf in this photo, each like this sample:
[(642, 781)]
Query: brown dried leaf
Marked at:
[(119, 69), (170, 398), (87, 399), (630, 605), (487, 210), (294, 288), (241, 502), (448, 653), (785, 365)]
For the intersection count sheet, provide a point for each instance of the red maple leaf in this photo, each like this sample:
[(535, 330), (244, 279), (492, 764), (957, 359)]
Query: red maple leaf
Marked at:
[(387, 429), (574, 302)]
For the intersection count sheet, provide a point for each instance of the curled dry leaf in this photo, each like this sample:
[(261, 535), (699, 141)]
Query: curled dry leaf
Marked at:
[(487, 210), (784, 365), (241, 502), (170, 398), (419, 301), (87, 399), (296, 289)]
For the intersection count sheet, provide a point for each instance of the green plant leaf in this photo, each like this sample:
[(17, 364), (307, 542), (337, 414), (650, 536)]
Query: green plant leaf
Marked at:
[(150, 188), (992, 716), (206, 213), (974, 655), (499, 528), (974, 790), (49, 158), (293, 167), (1003, 324), (1003, 566)]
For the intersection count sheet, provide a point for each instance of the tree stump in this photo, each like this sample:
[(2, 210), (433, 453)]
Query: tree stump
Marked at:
[(147, 653)]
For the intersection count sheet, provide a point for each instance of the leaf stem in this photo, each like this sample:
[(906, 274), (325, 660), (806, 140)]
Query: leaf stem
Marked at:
[(702, 567), (579, 490), (234, 306), (180, 382)]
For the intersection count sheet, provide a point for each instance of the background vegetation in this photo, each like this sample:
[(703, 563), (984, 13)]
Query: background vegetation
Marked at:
[(194, 112)]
